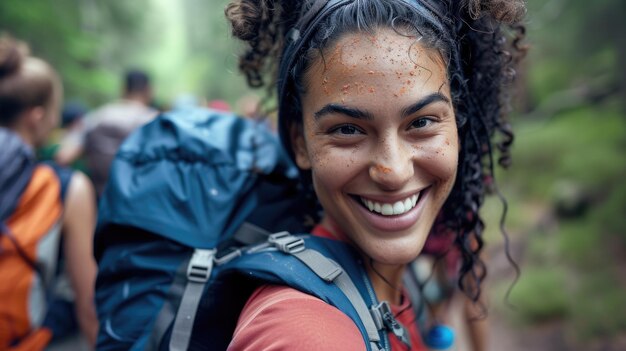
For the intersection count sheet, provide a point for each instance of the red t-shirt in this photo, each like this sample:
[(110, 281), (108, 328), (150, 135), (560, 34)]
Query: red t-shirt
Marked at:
[(269, 321)]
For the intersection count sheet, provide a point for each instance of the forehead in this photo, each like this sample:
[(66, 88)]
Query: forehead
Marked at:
[(382, 72), (359, 55)]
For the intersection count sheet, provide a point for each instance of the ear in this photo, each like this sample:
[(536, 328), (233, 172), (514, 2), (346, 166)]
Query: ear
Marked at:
[(34, 116), (298, 144)]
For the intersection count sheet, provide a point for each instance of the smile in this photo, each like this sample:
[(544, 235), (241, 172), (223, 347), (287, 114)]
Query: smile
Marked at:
[(392, 209)]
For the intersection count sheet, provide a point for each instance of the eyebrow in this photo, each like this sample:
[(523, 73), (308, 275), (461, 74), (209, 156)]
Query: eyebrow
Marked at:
[(425, 101), (360, 114), (344, 110)]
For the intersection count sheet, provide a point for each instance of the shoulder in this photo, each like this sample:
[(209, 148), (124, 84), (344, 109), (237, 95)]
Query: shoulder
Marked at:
[(282, 318), (79, 183), (80, 193)]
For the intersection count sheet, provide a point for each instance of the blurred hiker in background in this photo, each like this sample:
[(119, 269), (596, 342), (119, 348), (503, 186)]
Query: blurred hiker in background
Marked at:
[(45, 211), (107, 127)]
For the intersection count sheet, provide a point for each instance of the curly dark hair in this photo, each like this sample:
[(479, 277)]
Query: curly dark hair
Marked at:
[(480, 42)]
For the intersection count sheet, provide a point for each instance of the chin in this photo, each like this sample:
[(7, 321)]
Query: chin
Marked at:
[(395, 253)]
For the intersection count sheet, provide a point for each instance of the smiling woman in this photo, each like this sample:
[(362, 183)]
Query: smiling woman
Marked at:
[(389, 109)]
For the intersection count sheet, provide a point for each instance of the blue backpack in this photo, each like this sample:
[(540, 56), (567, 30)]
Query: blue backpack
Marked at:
[(184, 238)]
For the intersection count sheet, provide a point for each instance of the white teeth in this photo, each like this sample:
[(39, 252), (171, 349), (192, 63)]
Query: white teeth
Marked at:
[(396, 208), (386, 209), (408, 203)]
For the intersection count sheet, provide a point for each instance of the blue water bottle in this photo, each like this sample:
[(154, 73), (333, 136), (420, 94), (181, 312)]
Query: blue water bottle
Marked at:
[(440, 337)]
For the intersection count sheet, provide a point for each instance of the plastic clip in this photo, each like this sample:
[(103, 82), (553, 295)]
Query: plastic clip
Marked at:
[(200, 265), (286, 242), (384, 319)]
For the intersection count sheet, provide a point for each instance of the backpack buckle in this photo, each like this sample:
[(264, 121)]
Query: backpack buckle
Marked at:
[(200, 265), (286, 242), (385, 320)]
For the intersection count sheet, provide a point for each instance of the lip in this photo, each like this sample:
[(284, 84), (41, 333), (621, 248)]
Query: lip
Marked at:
[(393, 223)]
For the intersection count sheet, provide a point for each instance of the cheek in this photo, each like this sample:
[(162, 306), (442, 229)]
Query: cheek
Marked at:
[(439, 157), (333, 168)]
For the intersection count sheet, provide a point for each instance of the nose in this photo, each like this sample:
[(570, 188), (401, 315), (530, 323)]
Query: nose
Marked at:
[(392, 164)]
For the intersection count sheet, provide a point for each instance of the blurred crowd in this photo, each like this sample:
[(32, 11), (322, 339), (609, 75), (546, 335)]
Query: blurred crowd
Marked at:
[(56, 156)]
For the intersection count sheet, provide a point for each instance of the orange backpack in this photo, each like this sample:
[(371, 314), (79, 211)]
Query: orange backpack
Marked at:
[(29, 242)]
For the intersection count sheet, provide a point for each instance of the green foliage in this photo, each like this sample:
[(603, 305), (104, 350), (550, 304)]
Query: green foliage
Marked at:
[(584, 146), (185, 45), (581, 243), (570, 273), (81, 39), (540, 294), (611, 213), (573, 42), (597, 309)]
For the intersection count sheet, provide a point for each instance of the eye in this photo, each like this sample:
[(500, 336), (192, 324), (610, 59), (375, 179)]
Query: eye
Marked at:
[(346, 129), (421, 122)]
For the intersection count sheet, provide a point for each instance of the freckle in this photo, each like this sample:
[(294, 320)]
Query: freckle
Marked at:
[(383, 169), (408, 82), (372, 90), (412, 73)]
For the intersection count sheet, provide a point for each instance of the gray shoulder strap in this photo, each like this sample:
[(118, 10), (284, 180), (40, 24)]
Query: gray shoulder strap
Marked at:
[(198, 273), (249, 234), (330, 271)]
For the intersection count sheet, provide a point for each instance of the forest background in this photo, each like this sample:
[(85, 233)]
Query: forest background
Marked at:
[(566, 189)]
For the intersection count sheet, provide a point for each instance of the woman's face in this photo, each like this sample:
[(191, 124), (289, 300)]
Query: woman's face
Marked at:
[(380, 137)]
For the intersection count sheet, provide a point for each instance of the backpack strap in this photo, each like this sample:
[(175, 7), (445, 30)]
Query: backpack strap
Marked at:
[(198, 274), (334, 286), (65, 176), (320, 267), (17, 162), (329, 271), (189, 290)]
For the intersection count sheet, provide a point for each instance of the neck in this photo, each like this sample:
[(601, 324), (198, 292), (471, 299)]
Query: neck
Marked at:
[(26, 136), (140, 98), (386, 280)]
